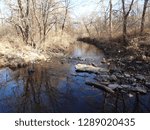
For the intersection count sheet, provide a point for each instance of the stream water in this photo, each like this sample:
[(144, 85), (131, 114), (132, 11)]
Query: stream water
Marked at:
[(57, 87)]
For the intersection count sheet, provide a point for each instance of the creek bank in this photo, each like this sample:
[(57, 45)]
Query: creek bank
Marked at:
[(127, 65), (18, 57), (135, 57), (116, 80)]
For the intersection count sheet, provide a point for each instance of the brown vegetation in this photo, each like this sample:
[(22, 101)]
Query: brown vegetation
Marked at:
[(123, 33), (34, 30), (46, 27), (117, 20)]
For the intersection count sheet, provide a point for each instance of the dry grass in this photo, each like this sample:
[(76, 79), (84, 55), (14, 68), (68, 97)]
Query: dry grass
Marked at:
[(57, 42), (13, 49), (27, 53)]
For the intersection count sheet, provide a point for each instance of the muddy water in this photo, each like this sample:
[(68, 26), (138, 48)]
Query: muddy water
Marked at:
[(57, 87)]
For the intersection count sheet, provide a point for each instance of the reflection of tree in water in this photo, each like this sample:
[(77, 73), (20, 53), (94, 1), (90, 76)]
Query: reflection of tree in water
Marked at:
[(35, 91), (85, 51), (121, 102), (51, 89), (40, 92)]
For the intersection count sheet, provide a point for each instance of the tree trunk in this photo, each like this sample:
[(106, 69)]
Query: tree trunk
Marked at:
[(124, 22), (64, 21), (124, 29), (110, 19), (143, 16), (86, 27), (24, 25), (125, 18)]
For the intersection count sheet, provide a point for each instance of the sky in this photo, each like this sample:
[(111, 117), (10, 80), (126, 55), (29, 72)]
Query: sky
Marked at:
[(1, 7), (83, 8), (79, 8)]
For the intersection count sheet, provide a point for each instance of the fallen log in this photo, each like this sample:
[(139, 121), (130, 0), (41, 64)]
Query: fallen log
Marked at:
[(100, 86), (89, 68), (138, 89)]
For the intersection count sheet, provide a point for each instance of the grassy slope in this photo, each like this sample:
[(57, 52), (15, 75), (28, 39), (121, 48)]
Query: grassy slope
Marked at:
[(14, 53)]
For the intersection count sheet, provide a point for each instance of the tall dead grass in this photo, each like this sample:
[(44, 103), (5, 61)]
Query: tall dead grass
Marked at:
[(57, 42), (12, 46)]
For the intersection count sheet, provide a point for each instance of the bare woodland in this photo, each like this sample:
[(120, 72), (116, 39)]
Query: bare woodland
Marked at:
[(34, 19), (120, 19), (36, 22)]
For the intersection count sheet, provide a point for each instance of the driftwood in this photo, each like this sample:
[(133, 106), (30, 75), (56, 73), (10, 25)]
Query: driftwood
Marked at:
[(101, 86), (89, 68), (138, 89)]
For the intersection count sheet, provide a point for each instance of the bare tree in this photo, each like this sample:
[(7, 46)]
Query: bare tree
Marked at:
[(24, 15), (125, 17), (143, 16), (34, 19), (86, 27), (103, 14), (67, 4), (110, 19)]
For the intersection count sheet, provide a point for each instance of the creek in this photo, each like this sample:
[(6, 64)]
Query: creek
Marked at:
[(55, 86)]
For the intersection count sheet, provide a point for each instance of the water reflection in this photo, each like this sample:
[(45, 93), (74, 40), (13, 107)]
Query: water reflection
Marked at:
[(56, 87), (86, 51)]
